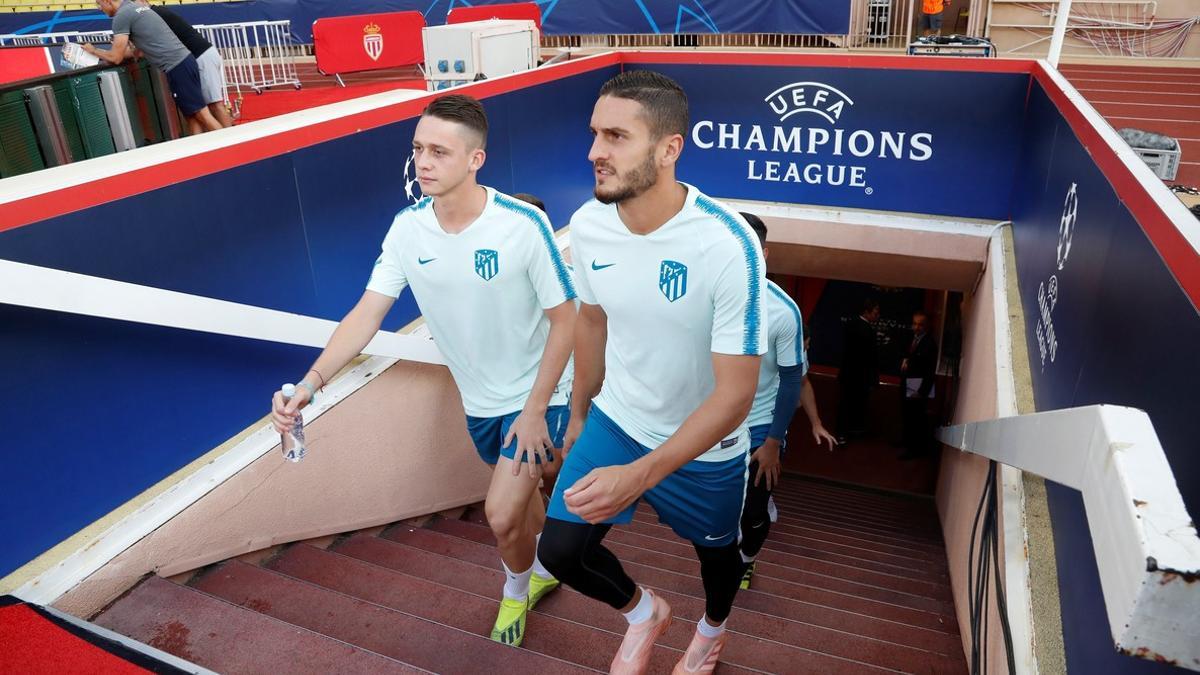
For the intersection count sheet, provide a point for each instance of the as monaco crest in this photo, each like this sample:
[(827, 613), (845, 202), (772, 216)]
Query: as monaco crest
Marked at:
[(373, 41)]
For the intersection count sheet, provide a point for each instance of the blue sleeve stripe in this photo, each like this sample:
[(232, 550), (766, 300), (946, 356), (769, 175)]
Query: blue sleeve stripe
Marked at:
[(795, 309), (752, 323), (539, 220)]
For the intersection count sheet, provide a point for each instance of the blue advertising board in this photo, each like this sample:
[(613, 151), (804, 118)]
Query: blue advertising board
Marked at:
[(851, 137)]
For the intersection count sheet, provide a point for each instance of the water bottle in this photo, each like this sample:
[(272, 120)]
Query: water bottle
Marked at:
[(292, 441)]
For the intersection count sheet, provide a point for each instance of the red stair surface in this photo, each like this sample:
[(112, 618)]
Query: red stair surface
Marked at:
[(850, 581)]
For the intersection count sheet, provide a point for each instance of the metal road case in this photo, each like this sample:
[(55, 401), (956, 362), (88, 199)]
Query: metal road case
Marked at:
[(48, 125), (119, 123)]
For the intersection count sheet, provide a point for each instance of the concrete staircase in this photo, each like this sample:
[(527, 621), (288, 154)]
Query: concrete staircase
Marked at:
[(850, 581)]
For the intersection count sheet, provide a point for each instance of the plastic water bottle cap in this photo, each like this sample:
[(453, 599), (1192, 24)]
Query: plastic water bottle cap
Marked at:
[(288, 390)]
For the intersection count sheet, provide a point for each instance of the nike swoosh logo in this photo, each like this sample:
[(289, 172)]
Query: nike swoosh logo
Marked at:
[(425, 261), (601, 267), (712, 538)]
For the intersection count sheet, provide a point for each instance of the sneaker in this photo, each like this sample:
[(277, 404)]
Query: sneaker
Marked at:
[(539, 586), (510, 622), (633, 657), (745, 585), (701, 655)]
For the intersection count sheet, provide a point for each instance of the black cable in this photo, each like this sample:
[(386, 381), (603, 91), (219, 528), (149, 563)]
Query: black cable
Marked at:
[(974, 594), (979, 574), (1001, 599)]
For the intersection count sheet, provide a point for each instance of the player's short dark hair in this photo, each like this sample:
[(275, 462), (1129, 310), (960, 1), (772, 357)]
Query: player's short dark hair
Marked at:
[(664, 103), (869, 304), (756, 224), (921, 313), (463, 110), (530, 199)]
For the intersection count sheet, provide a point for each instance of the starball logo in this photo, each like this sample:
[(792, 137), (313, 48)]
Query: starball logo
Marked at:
[(1048, 291), (811, 145)]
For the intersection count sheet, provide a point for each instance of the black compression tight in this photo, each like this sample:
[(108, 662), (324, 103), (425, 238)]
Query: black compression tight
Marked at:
[(574, 553), (756, 520)]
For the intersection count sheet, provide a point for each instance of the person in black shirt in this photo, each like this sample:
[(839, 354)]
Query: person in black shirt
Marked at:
[(917, 371), (859, 372)]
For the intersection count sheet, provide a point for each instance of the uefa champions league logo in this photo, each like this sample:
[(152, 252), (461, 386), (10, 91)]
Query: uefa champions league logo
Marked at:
[(412, 189), (1066, 226), (1048, 291)]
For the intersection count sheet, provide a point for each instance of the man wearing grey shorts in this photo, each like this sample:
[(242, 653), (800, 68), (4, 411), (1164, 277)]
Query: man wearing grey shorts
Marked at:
[(138, 24), (212, 67)]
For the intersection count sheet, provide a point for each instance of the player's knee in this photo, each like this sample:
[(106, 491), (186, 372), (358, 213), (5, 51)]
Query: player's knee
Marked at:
[(506, 522)]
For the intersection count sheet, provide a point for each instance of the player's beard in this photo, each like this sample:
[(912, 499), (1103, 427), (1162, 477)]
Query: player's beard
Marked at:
[(633, 182)]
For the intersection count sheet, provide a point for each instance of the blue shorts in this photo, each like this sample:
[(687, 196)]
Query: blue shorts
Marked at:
[(701, 501), (185, 85), (489, 432), (758, 436)]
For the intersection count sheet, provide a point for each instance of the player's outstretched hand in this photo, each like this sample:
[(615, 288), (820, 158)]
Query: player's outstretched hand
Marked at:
[(821, 434)]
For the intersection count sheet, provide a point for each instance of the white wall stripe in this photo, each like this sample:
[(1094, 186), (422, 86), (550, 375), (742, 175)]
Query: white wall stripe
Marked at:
[(56, 290)]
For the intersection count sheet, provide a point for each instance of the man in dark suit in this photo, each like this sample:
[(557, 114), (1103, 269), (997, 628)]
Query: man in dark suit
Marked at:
[(859, 372), (917, 371)]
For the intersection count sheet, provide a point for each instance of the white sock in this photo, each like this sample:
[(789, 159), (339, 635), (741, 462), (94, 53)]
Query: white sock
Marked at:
[(642, 611), (538, 568), (516, 584), (747, 559), (708, 630)]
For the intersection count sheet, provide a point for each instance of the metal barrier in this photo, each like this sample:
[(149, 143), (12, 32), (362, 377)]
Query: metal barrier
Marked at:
[(37, 39), (257, 54)]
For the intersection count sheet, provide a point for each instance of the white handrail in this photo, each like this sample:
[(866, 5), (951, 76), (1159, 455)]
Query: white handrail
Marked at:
[(1146, 546)]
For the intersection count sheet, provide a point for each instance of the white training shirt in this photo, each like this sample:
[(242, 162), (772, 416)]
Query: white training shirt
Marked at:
[(673, 297), (482, 292), (785, 347)]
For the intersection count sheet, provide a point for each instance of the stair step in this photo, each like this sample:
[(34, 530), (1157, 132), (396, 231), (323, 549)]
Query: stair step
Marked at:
[(829, 535), (380, 629), (890, 504), (686, 597), (912, 529), (933, 637), (213, 633), (773, 579), (933, 598), (832, 543), (743, 654), (858, 576), (647, 524), (460, 608), (790, 514)]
